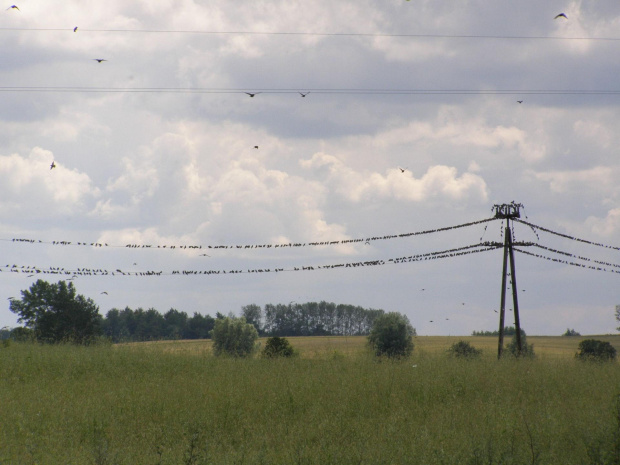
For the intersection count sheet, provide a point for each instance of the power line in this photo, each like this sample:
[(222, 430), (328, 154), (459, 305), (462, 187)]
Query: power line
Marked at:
[(313, 34), (566, 236), (79, 272), (566, 262), (367, 239), (296, 91)]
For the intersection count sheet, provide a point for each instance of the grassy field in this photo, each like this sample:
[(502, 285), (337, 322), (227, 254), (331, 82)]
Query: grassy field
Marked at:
[(324, 346), (174, 403)]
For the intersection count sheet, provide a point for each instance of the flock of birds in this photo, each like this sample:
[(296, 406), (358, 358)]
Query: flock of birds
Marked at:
[(251, 95)]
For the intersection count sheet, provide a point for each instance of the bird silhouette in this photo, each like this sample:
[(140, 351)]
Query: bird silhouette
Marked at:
[(519, 101), (561, 15), (99, 60), (14, 7), (75, 29), (104, 292), (204, 255), (402, 170), (252, 94), (256, 146), (303, 95), (53, 165)]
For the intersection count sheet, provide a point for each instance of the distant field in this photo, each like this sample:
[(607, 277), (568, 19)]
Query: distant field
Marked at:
[(321, 346), (171, 403)]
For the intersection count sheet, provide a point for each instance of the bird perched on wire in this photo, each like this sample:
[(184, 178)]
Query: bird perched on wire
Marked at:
[(53, 165), (561, 15), (99, 60)]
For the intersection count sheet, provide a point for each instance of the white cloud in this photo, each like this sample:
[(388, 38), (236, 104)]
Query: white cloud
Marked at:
[(30, 186), (600, 177), (438, 181), (605, 227)]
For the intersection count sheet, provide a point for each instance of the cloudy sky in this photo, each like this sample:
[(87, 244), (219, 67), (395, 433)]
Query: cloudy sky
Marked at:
[(162, 145)]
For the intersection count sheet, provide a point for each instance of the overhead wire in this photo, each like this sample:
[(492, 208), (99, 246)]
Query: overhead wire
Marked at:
[(311, 34), (296, 91), (79, 272), (248, 246), (566, 236)]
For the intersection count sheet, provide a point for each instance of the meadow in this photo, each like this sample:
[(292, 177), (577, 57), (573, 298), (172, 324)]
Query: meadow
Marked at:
[(175, 403)]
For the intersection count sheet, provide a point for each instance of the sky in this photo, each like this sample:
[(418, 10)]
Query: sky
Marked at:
[(369, 119)]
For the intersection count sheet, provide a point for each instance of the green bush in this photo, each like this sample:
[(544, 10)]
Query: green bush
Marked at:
[(234, 337), (278, 347), (463, 349), (391, 336), (527, 350), (593, 349), (571, 332)]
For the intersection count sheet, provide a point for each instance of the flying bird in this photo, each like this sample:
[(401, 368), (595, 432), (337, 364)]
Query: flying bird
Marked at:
[(99, 60), (75, 29), (303, 95), (561, 15), (53, 165), (402, 170), (14, 7), (519, 101), (252, 94), (204, 255), (104, 292)]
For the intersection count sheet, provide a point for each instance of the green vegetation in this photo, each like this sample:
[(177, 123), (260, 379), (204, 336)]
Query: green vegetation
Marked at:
[(278, 347), (464, 349), (55, 313), (527, 350), (234, 337), (391, 336), (508, 331), (595, 350), (571, 332), (173, 402)]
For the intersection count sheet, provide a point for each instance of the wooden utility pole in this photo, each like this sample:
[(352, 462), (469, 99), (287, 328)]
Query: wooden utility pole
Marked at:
[(508, 211)]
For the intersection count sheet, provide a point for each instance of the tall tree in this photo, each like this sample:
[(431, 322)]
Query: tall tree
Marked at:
[(253, 315), (57, 314)]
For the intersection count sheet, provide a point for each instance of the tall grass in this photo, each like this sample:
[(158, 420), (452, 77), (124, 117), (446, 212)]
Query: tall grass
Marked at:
[(152, 404)]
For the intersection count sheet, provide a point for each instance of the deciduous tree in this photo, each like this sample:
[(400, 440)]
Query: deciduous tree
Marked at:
[(57, 314), (392, 335)]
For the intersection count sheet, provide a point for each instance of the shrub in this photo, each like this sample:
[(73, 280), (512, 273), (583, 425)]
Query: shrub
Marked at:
[(463, 349), (571, 332), (391, 335), (278, 347), (527, 350), (233, 336), (593, 349)]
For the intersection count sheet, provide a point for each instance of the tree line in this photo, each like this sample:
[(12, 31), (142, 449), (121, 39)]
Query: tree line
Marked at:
[(56, 313)]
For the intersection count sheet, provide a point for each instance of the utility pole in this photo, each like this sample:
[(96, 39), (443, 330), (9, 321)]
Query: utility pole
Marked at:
[(508, 211)]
